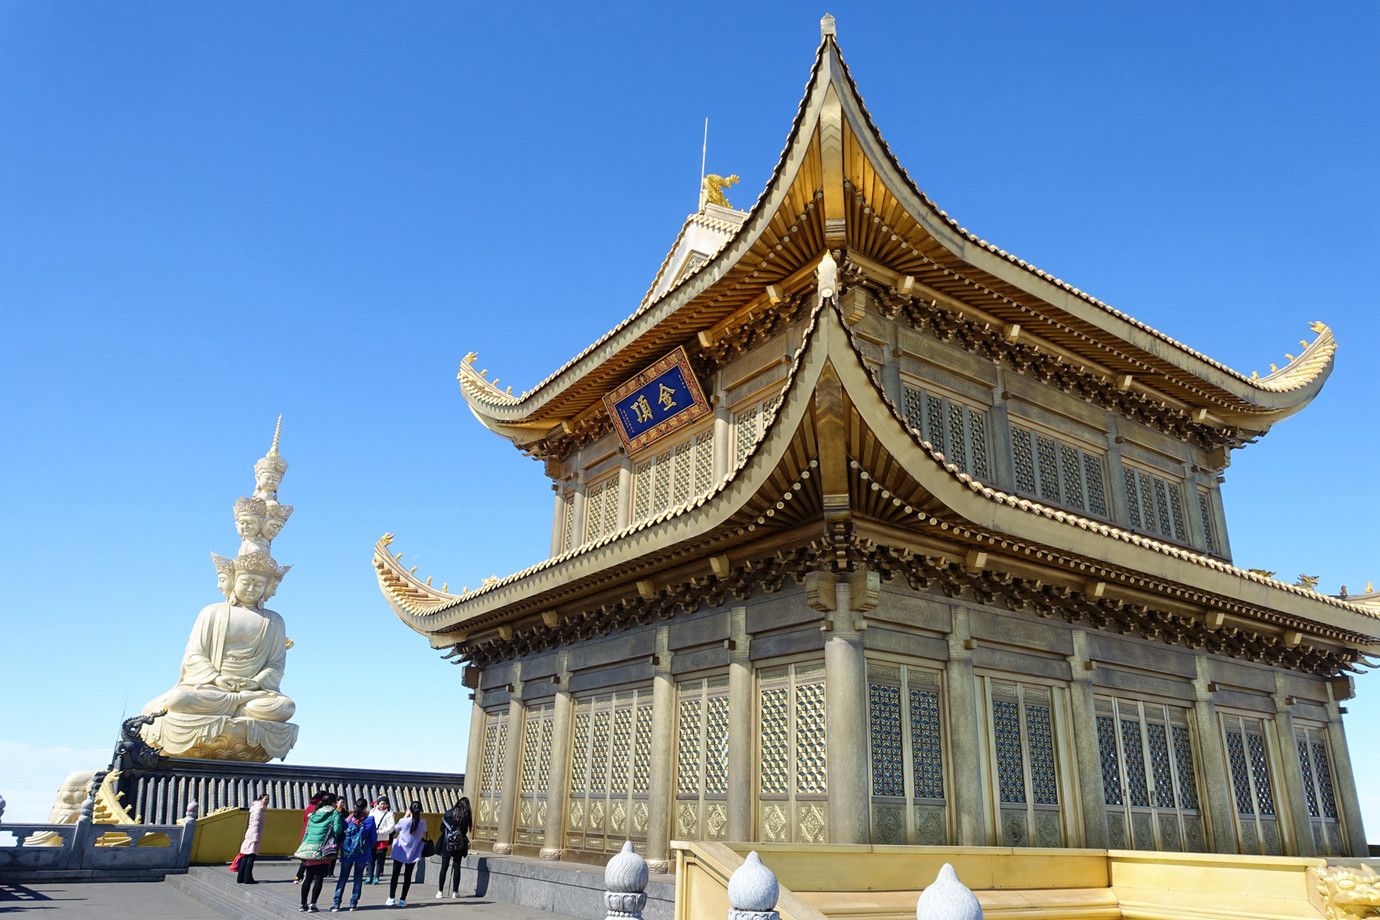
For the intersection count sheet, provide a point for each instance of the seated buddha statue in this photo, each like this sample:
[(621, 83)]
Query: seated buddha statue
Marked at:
[(227, 703)]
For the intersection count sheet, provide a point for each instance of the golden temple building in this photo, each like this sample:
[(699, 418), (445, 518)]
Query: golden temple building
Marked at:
[(867, 531)]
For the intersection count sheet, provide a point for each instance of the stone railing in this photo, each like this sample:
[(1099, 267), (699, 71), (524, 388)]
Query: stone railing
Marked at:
[(87, 850), (159, 794)]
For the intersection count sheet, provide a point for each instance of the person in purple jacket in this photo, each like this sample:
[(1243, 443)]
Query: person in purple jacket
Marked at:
[(356, 852), (407, 850)]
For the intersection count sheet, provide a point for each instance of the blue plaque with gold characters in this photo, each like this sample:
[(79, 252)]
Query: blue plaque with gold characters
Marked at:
[(657, 401)]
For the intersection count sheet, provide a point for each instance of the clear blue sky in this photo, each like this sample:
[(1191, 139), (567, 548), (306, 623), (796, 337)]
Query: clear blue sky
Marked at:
[(214, 213)]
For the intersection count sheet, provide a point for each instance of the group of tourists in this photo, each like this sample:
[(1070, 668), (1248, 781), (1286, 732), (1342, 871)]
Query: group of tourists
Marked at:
[(360, 840)]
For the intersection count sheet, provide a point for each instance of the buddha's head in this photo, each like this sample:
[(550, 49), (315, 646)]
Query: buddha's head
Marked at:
[(225, 575), (249, 517), (269, 470), (275, 519), (253, 572)]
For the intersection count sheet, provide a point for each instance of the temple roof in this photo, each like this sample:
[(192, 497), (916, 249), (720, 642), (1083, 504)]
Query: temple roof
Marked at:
[(899, 491), (837, 186)]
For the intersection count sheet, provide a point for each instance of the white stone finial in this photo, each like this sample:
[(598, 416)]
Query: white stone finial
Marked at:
[(625, 881), (752, 891), (827, 28), (948, 899), (827, 275)]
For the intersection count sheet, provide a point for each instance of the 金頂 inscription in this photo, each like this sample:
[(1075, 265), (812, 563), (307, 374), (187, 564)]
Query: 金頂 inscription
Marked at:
[(659, 400)]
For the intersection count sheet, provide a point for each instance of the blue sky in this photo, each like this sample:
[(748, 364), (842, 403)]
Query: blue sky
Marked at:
[(211, 214)]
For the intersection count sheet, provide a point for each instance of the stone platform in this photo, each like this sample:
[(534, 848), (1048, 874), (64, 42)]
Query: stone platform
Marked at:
[(212, 893)]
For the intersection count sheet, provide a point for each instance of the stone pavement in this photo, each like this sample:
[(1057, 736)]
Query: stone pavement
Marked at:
[(276, 895)]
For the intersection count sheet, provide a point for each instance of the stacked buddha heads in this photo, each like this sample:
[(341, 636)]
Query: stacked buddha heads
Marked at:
[(258, 519), (228, 703)]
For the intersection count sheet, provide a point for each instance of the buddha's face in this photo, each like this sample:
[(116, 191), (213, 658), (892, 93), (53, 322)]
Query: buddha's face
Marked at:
[(225, 579), (249, 588), (248, 525), (271, 527), (267, 480)]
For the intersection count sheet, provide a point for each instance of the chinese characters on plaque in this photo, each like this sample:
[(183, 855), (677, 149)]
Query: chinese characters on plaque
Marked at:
[(662, 398)]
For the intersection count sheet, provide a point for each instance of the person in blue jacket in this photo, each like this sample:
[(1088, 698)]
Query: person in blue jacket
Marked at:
[(356, 852)]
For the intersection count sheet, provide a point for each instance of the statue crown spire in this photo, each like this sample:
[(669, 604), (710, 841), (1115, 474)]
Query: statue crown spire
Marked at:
[(276, 432)]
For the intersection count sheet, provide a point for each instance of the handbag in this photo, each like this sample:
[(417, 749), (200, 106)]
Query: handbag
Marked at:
[(330, 849), (428, 848)]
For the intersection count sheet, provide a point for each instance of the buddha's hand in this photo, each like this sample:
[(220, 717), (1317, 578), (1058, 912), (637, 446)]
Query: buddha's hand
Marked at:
[(232, 684)]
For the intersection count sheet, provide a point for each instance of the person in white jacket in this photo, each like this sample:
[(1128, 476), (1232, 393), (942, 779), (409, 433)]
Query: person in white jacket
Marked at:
[(385, 823), (253, 836)]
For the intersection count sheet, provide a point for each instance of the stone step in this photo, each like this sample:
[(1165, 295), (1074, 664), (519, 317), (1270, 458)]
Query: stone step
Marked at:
[(228, 904)]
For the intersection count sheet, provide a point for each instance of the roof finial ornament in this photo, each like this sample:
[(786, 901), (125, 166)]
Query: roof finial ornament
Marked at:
[(827, 275), (827, 28), (714, 186)]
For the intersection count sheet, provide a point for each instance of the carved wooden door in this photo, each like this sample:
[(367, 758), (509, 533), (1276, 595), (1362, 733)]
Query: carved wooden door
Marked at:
[(907, 756), (1318, 790), (1023, 751), (1250, 774), (1148, 776)]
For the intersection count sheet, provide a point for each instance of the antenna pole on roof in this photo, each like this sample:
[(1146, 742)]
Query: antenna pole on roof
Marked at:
[(704, 153)]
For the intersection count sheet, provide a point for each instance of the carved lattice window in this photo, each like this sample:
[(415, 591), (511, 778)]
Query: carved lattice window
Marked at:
[(701, 809), (601, 509), (491, 773), (1058, 472), (533, 774), (1025, 760), (1205, 514), (1155, 505), (956, 430), (908, 801), (611, 742), (673, 477), (793, 770), (1318, 792), (1148, 777), (1250, 771)]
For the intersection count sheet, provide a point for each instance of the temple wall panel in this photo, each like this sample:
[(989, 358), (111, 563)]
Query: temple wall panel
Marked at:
[(788, 643), (700, 660), (599, 678), (1031, 633), (613, 650), (996, 659), (900, 604), (1241, 675), (1161, 659), (1108, 678), (496, 676), (879, 639), (700, 630)]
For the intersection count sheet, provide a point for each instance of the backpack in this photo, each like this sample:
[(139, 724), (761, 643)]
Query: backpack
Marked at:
[(353, 847), (454, 841)]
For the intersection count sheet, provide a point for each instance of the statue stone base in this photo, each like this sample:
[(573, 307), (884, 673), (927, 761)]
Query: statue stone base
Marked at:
[(221, 737)]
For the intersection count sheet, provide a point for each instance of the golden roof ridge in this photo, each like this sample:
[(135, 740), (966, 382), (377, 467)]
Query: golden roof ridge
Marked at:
[(1046, 276), (809, 337)]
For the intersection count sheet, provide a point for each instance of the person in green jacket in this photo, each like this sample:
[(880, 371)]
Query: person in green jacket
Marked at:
[(317, 850)]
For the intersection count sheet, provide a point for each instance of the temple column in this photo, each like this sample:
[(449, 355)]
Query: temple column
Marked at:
[(577, 514), (474, 755), (558, 521), (512, 765), (625, 480), (1344, 782), (845, 695), (1003, 474), (742, 711), (1214, 766), (967, 725), (1092, 795), (556, 787), (1292, 800), (662, 767), (723, 439)]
